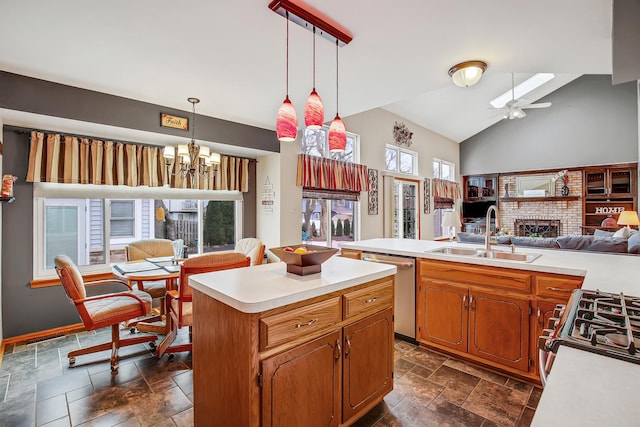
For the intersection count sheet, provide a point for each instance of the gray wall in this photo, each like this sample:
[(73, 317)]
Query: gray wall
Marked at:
[(591, 122)]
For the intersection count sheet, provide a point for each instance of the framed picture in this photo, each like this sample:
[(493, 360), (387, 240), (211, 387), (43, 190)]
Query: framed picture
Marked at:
[(169, 121), (373, 192)]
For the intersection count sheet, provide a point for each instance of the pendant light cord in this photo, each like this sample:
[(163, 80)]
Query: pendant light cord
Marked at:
[(193, 128), (314, 58), (337, 77), (287, 74)]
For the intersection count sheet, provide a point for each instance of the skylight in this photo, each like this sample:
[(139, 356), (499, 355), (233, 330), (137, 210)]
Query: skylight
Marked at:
[(522, 89)]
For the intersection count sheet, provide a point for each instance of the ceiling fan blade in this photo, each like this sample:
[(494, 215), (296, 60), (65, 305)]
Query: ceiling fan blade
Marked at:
[(540, 105)]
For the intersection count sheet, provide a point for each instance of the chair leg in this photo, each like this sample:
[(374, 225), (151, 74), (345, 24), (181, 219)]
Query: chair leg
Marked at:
[(115, 344)]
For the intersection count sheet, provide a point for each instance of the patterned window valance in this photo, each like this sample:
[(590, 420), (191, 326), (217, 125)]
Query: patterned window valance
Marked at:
[(76, 160), (326, 174), (445, 193)]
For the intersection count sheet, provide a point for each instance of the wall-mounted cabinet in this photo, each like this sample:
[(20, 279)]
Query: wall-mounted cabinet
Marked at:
[(607, 192), (480, 188)]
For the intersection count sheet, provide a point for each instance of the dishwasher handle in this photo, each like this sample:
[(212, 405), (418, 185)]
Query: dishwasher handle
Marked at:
[(406, 264)]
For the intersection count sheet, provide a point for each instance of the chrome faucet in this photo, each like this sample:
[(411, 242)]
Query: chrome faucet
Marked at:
[(488, 239)]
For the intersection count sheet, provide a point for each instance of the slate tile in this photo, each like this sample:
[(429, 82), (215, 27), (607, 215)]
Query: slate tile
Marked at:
[(497, 403), (51, 409)]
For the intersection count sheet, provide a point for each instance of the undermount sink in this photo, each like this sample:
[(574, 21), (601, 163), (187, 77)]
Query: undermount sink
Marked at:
[(511, 256), (450, 250)]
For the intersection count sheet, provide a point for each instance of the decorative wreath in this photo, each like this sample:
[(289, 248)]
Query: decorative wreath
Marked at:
[(401, 134)]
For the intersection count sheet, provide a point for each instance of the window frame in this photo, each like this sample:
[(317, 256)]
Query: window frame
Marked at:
[(399, 150), (57, 191)]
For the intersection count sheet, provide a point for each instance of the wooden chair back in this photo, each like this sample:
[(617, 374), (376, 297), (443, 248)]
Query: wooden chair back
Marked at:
[(150, 248)]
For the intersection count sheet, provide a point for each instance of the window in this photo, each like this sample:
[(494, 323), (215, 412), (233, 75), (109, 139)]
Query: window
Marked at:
[(122, 218), (327, 222), (94, 232), (442, 170), (400, 160)]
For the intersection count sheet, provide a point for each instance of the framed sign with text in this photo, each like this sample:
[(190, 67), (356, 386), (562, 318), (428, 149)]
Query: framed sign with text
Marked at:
[(169, 121)]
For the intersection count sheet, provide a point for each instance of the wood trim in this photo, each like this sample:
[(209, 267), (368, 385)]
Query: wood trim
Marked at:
[(540, 199), (55, 281), (41, 334), (570, 169)]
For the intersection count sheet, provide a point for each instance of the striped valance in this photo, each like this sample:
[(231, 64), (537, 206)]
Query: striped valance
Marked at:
[(446, 189), (76, 160), (328, 174)]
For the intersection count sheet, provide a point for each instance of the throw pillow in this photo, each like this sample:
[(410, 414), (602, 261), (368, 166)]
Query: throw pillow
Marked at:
[(601, 233), (634, 244), (623, 232)]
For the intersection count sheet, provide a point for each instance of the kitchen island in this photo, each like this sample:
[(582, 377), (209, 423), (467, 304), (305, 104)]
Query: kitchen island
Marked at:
[(583, 388), (274, 348)]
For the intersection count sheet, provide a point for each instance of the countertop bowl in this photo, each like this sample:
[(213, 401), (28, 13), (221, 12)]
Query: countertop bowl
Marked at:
[(305, 263)]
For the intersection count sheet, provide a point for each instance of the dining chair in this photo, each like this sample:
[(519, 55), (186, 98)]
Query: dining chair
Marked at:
[(103, 310), (151, 248), (179, 302), (251, 247)]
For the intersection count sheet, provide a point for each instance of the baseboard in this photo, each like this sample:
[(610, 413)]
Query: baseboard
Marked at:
[(42, 334)]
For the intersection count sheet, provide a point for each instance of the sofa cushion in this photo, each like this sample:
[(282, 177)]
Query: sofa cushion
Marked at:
[(597, 233), (576, 243), (535, 242), (609, 244), (623, 232), (633, 243)]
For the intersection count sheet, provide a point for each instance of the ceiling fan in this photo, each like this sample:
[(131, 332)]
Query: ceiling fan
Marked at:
[(515, 107)]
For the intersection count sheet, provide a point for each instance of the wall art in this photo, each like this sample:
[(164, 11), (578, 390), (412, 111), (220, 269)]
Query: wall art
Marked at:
[(427, 195), (373, 192)]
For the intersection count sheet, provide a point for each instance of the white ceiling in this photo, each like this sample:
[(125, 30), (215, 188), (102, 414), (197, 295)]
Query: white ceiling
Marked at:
[(231, 54)]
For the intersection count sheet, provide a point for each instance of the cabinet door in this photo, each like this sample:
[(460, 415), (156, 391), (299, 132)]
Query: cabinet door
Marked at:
[(595, 182), (301, 387), (620, 182), (368, 362), (442, 314), (499, 329)]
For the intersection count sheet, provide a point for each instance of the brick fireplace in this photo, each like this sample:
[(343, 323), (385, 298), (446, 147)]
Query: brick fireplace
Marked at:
[(567, 213), (537, 227)]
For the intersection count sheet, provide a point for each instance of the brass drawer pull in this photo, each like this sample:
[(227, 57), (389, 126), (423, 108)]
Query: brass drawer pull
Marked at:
[(374, 299), (551, 288), (309, 323)]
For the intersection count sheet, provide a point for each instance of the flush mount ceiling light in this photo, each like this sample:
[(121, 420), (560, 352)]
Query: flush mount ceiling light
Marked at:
[(467, 73)]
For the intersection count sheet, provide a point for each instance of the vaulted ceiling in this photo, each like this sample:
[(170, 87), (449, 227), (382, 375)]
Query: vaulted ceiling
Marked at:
[(231, 54)]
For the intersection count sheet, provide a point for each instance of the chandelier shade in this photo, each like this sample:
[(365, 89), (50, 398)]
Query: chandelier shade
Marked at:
[(337, 135), (287, 122)]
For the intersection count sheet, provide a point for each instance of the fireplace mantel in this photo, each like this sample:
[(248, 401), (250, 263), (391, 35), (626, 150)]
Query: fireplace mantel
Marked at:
[(540, 199)]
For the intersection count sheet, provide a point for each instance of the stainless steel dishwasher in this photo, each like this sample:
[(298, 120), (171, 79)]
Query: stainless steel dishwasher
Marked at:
[(405, 292)]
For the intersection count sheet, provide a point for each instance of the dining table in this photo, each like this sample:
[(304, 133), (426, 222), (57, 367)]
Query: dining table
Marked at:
[(165, 269)]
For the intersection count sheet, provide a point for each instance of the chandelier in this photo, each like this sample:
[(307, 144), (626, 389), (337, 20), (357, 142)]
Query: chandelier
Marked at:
[(193, 161)]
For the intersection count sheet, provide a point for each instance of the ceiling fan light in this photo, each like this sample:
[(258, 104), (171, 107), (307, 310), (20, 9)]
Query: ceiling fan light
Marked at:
[(313, 111), (467, 73), (287, 122), (337, 135)]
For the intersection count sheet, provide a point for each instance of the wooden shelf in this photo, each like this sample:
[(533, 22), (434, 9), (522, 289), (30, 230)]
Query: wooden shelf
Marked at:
[(540, 199), (7, 199)]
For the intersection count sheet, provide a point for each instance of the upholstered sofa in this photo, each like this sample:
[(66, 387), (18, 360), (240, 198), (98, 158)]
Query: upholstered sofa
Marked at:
[(599, 242)]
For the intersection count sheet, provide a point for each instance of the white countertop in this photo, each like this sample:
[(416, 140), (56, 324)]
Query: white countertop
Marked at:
[(583, 388), (607, 272), (263, 287)]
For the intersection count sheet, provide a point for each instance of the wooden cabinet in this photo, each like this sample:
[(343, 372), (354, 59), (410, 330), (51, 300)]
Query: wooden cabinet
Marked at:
[(455, 316), (480, 188), (302, 385), (351, 253), (487, 314), (320, 362), (607, 192)]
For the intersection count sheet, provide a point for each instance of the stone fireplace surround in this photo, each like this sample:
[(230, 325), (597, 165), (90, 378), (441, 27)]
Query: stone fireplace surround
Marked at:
[(567, 212)]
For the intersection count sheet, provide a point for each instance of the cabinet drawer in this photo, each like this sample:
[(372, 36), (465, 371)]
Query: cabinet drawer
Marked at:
[(492, 277), (556, 286), (368, 300), (300, 322), (351, 253)]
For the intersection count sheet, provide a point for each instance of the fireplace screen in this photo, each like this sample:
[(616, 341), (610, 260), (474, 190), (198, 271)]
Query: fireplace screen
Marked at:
[(537, 227)]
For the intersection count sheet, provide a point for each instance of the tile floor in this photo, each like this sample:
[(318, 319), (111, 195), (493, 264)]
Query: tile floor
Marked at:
[(38, 388)]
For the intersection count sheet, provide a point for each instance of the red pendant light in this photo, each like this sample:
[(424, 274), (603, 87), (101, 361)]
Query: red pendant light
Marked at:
[(287, 119), (314, 110), (337, 130)]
